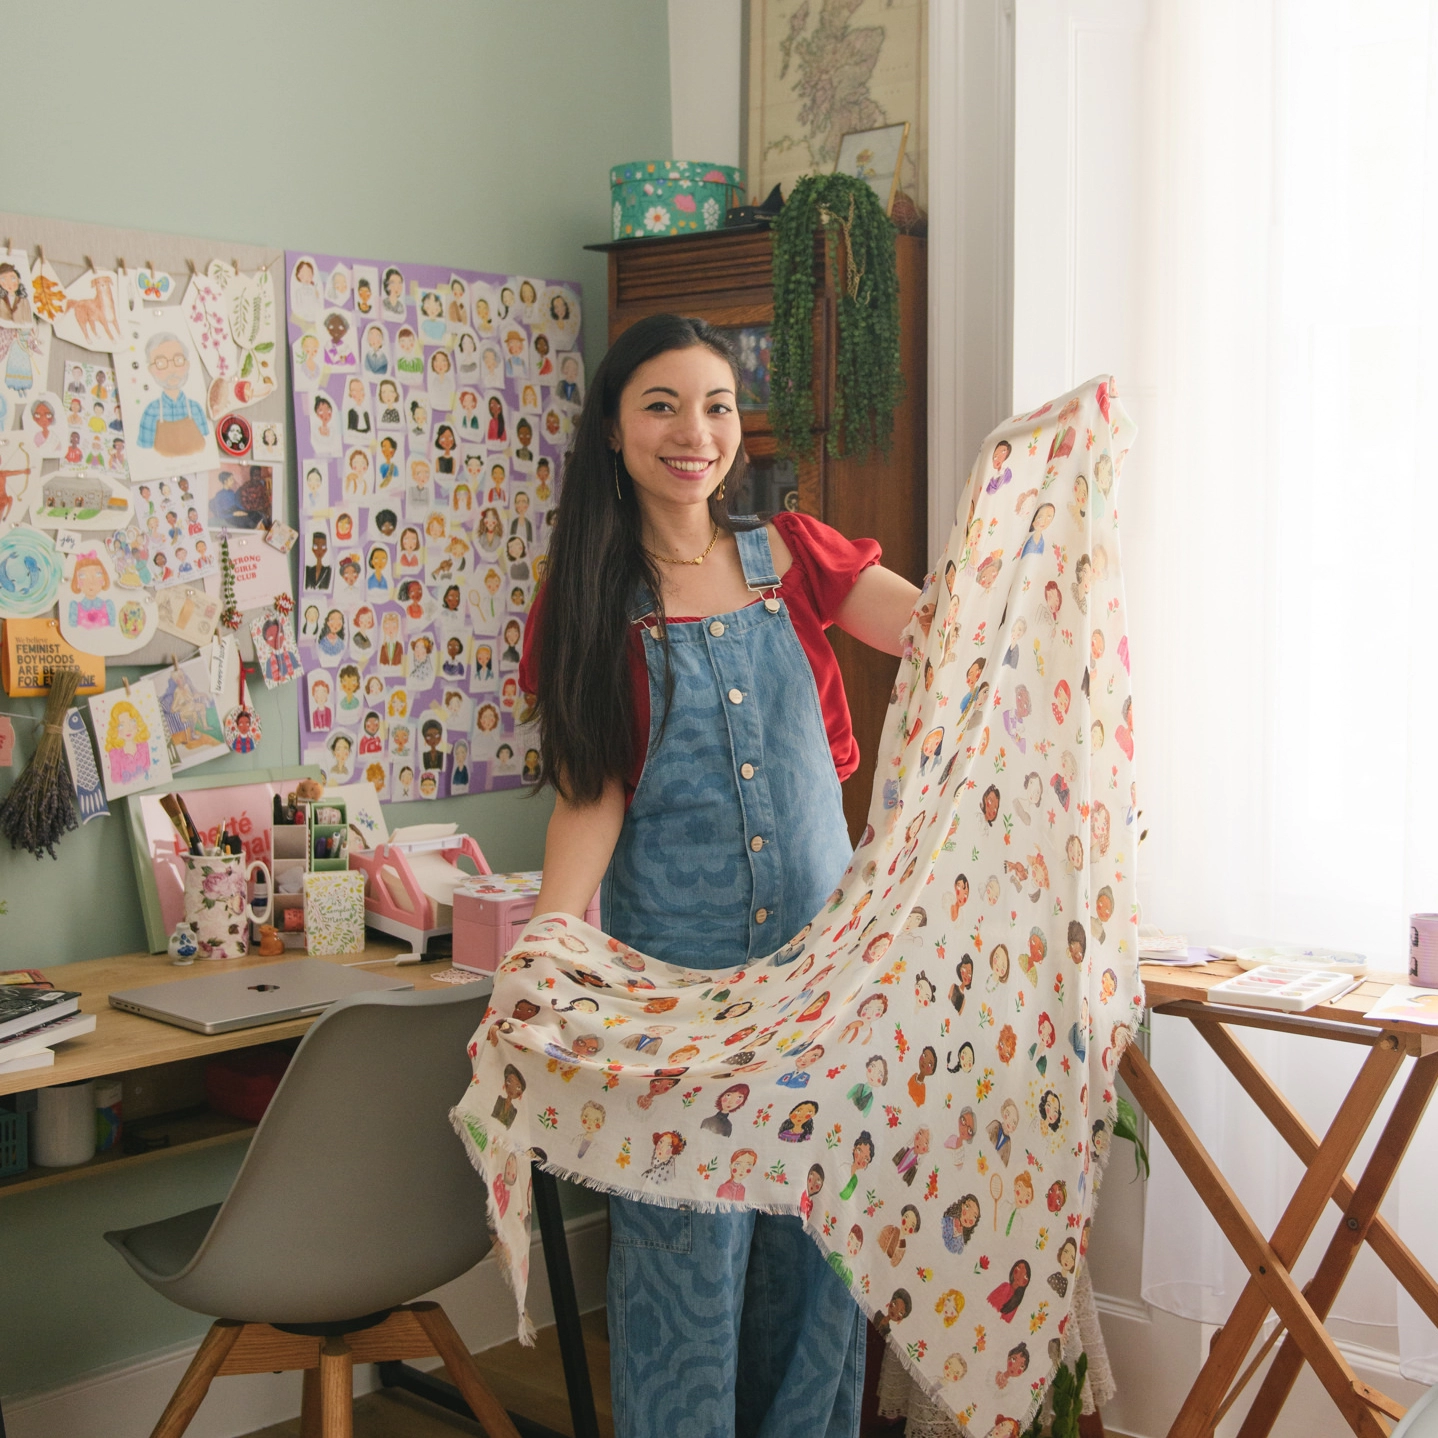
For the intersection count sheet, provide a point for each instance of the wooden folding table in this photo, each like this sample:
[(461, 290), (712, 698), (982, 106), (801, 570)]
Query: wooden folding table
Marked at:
[(1183, 993)]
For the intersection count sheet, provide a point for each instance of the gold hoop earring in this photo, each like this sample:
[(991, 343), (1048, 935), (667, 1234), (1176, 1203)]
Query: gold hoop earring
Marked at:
[(617, 493)]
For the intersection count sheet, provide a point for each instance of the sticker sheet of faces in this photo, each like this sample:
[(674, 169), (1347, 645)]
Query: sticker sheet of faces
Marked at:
[(122, 444), (432, 407)]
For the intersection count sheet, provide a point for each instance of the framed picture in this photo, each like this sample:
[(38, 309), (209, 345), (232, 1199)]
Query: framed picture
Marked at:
[(876, 156), (814, 71)]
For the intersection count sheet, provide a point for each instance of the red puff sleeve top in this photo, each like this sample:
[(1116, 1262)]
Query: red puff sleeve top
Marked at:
[(826, 566)]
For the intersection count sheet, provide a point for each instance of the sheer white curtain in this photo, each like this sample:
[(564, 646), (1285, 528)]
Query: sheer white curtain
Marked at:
[(1285, 583)]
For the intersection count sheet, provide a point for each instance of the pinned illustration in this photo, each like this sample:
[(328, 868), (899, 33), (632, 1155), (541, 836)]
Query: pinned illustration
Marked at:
[(193, 729), (235, 435), (25, 355), (47, 294), (80, 751), (91, 428), (305, 301), (155, 286), (81, 499), (275, 651), (188, 613), (19, 471), (269, 444), (30, 573), (207, 319), (250, 306), (91, 318), (242, 724), (16, 308), (96, 615), (130, 730), (40, 418), (162, 393)]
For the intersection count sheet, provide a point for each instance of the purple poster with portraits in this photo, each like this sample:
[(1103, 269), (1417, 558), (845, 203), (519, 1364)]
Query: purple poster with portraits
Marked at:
[(432, 407)]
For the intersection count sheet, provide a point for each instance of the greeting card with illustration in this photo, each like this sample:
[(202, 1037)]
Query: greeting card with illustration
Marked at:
[(250, 307), (19, 477), (188, 613), (130, 732), (24, 367), (90, 430), (97, 615), (163, 396), (91, 317), (191, 713), (207, 321), (81, 499), (41, 420)]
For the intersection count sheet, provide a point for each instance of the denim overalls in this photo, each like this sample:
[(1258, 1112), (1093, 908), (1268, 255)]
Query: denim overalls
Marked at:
[(728, 1323)]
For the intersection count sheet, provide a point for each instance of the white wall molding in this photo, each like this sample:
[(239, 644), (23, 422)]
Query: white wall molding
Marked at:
[(126, 1400), (971, 241), (1113, 1305)]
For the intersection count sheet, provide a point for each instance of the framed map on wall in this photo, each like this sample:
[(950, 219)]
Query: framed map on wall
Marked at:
[(821, 69)]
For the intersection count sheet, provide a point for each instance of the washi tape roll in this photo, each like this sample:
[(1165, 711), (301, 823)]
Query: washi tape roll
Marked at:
[(1423, 950)]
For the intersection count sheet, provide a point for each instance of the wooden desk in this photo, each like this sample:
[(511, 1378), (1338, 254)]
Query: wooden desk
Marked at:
[(123, 1043), (1183, 993)]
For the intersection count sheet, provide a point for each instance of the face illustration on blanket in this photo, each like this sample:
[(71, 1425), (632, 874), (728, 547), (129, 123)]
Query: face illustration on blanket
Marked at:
[(957, 1010)]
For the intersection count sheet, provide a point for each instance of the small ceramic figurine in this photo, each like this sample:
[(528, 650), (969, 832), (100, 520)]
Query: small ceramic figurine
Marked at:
[(270, 941), (182, 946)]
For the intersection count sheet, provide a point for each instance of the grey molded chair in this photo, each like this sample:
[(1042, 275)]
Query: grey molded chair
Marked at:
[(355, 1196)]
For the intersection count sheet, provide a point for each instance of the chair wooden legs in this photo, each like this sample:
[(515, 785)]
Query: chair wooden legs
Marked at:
[(460, 1366), (185, 1401), (418, 1330), (336, 1390), (310, 1405)]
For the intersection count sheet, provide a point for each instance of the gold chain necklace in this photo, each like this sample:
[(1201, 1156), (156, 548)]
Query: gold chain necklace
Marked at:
[(664, 559)]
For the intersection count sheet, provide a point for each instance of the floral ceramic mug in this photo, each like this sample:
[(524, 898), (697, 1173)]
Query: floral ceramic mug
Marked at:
[(216, 893)]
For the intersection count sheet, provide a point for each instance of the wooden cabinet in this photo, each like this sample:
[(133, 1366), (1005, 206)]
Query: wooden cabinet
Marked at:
[(727, 280)]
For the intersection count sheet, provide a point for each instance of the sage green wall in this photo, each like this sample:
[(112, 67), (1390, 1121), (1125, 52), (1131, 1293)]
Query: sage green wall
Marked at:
[(468, 132)]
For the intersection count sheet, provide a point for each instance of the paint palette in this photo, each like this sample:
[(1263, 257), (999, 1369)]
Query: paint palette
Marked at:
[(1293, 987), (1333, 961)]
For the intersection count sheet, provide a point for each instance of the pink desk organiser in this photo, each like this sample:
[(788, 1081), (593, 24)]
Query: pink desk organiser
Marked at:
[(490, 912), (394, 901)]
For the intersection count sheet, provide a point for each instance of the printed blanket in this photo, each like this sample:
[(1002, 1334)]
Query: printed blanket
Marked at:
[(925, 1072)]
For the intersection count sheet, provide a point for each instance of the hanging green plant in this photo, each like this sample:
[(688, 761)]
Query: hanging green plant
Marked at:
[(868, 383)]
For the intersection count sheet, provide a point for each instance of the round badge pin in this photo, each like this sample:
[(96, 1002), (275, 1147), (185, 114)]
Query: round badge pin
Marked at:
[(234, 435)]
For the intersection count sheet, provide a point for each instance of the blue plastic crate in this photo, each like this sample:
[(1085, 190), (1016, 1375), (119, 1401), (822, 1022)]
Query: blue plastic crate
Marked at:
[(14, 1143)]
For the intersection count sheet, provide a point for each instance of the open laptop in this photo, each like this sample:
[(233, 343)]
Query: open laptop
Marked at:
[(245, 998)]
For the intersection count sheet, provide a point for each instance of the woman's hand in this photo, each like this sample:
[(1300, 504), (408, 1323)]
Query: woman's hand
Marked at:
[(878, 608), (577, 850)]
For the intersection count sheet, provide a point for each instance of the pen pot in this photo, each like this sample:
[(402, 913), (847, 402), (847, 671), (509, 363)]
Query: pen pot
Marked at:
[(216, 891)]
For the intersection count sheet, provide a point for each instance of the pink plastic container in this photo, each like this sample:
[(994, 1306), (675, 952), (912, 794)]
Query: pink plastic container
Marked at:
[(490, 912)]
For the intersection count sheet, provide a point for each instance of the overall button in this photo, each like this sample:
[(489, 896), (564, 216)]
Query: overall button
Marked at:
[(716, 628), (747, 770), (761, 915), (772, 605), (735, 696), (756, 843)]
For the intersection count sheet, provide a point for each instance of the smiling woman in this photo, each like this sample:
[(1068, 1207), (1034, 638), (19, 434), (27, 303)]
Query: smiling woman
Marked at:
[(695, 727)]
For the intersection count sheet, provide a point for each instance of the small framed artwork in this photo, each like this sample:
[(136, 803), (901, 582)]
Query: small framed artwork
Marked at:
[(875, 156)]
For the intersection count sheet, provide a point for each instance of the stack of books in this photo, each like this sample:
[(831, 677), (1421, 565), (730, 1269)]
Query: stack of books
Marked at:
[(34, 1018)]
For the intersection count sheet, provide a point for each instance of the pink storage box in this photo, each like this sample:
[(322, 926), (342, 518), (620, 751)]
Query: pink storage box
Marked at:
[(490, 912)]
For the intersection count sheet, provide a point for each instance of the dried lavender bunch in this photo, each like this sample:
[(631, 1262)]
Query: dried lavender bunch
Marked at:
[(40, 808)]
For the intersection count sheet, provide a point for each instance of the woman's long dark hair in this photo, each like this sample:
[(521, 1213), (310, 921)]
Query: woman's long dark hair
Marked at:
[(596, 564)]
